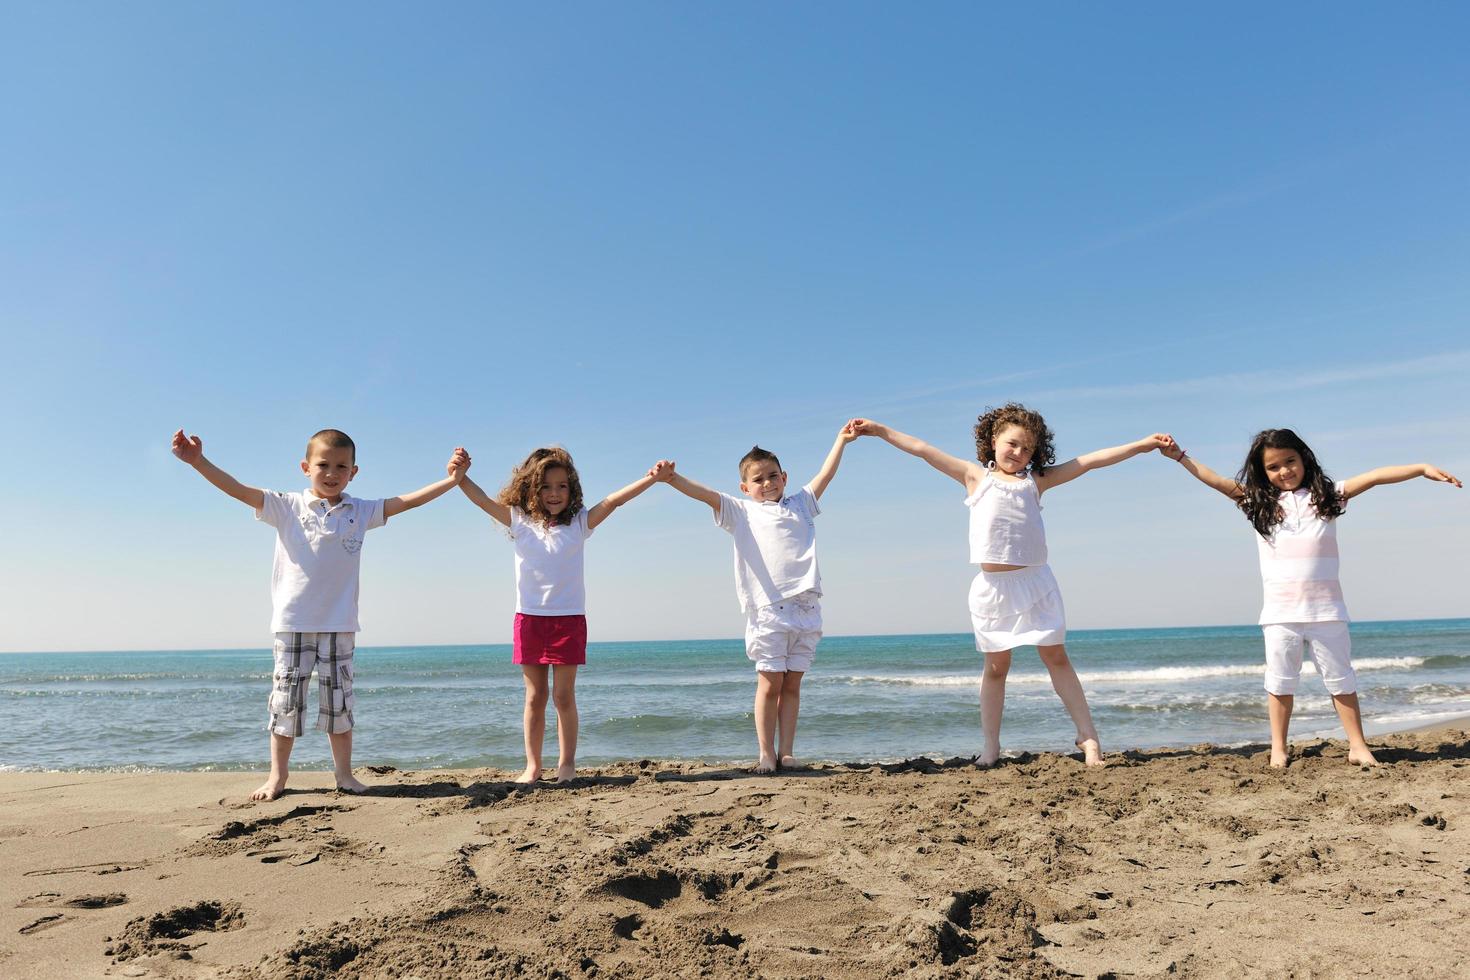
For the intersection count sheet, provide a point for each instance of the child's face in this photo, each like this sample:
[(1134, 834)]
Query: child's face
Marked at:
[(1283, 467), (1013, 447), (764, 480), (556, 490), (330, 470)]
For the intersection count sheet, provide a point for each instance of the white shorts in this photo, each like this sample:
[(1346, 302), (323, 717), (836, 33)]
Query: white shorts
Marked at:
[(783, 636), (1329, 646), (1017, 609)]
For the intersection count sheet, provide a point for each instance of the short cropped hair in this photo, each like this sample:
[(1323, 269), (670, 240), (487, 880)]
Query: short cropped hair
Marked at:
[(332, 439), (757, 455)]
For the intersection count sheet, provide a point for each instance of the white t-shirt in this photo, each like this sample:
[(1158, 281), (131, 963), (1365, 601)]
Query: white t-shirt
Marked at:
[(775, 546), (318, 553), (549, 570), (1299, 565)]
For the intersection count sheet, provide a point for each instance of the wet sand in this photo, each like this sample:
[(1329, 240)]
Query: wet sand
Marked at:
[(1199, 862)]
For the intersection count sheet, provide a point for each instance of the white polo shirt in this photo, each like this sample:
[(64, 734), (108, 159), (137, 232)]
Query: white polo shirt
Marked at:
[(549, 567), (318, 552), (775, 546), (1299, 565)]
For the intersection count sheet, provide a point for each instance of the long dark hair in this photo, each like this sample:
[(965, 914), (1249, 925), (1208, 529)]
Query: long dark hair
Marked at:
[(1261, 498), (524, 489)]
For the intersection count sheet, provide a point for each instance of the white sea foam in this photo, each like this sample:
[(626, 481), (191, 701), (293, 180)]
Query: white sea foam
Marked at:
[(1152, 675)]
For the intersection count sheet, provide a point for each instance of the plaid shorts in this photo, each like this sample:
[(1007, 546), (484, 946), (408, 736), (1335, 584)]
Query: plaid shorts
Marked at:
[(296, 654)]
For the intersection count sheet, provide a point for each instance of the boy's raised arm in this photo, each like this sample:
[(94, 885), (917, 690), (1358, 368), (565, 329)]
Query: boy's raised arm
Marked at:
[(686, 486), (1096, 460), (459, 462), (953, 467), (1395, 474), (1203, 473), (834, 459), (603, 509), (190, 449)]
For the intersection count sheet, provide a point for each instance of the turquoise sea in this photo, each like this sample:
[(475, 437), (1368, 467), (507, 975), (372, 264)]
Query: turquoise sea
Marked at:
[(867, 698)]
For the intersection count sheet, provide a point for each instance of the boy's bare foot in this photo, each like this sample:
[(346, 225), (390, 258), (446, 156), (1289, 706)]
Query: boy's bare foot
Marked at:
[(767, 764), (270, 789), (789, 762), (1278, 758), (351, 784), (566, 773), (531, 774), (1362, 757), (988, 758), (1091, 751)]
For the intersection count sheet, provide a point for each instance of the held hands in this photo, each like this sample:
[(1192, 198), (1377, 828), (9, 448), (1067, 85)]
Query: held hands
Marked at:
[(1438, 475), (863, 427), (1161, 441), (1172, 450), (662, 471), (190, 449), (458, 465), (847, 433)]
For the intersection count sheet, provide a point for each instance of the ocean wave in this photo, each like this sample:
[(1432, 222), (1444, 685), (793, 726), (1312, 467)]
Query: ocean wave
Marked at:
[(1159, 674)]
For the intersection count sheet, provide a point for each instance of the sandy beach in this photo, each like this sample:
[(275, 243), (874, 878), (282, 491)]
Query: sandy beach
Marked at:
[(1196, 862)]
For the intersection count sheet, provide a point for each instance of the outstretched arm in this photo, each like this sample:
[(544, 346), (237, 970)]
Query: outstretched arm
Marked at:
[(459, 461), (963, 470), (1203, 473), (834, 459), (1073, 468), (686, 486), (190, 449), (603, 509), (1394, 474), (484, 501)]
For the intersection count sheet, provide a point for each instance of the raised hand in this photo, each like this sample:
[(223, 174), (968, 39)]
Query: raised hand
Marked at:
[(847, 433), (863, 427), (662, 471), (1159, 441), (190, 449), (1172, 450), (1440, 476), (458, 465)]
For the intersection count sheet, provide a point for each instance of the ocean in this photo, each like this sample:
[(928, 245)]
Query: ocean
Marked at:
[(868, 698)]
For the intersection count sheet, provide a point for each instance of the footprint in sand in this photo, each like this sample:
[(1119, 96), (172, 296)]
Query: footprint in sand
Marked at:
[(44, 922)]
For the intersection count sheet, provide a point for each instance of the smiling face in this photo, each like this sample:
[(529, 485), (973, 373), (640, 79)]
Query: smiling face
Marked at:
[(329, 470), (1013, 447), (763, 480), (1284, 468), (555, 491)]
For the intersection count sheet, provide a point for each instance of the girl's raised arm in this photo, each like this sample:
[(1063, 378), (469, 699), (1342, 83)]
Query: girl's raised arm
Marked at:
[(1066, 472), (484, 501), (1203, 473), (961, 470), (603, 509), (1394, 474)]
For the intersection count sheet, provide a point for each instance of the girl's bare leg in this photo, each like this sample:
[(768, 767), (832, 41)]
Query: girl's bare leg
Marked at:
[(533, 719), (787, 710), (992, 702), (563, 693), (1064, 681), (768, 686), (1352, 722), (1278, 707)]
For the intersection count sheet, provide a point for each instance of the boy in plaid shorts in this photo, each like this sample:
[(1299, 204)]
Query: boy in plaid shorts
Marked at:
[(319, 535)]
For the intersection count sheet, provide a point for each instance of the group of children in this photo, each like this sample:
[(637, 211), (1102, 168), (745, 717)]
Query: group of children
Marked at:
[(1014, 599)]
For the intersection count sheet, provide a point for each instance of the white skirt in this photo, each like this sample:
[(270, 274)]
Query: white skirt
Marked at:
[(1017, 609)]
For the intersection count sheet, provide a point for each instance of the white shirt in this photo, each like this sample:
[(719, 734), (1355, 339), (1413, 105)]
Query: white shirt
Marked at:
[(549, 570), (318, 553), (1005, 522), (1299, 565), (775, 546)]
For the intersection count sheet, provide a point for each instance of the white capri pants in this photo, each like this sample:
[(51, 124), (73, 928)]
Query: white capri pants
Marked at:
[(1329, 646), (783, 635)]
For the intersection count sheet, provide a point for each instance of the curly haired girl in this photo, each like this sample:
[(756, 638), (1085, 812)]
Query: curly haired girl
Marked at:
[(541, 506), (1015, 600), (1294, 506)]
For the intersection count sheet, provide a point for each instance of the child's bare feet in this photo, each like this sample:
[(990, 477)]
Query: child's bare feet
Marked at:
[(789, 762), (270, 789), (351, 784), (1279, 758), (767, 764), (988, 758), (566, 773), (1362, 757), (1091, 751), (531, 774)]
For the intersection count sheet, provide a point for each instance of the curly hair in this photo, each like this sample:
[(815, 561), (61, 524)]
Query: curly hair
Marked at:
[(1261, 499), (523, 491), (995, 420)]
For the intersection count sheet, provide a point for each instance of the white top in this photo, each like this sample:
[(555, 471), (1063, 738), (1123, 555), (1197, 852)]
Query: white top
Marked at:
[(318, 552), (1005, 522), (549, 571), (775, 546), (1299, 565)]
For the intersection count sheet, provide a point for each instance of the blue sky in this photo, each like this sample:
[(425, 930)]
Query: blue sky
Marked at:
[(655, 230)]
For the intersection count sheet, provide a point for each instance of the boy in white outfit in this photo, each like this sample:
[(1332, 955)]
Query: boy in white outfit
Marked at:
[(777, 582), (314, 586)]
